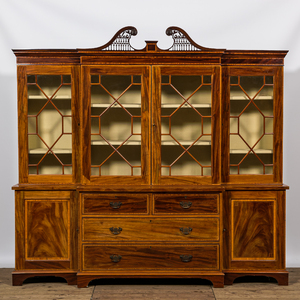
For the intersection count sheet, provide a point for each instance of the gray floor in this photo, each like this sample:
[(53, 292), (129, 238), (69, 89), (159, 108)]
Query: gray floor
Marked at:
[(150, 289)]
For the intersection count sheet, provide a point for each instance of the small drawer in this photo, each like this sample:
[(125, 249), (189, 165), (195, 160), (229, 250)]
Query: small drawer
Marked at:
[(155, 257), (154, 229), (112, 204), (186, 204)]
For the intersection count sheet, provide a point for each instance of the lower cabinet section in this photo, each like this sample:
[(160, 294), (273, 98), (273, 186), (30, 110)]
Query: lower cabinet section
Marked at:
[(217, 236), (147, 257)]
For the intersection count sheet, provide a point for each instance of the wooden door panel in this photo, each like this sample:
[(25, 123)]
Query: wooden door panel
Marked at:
[(253, 229), (255, 238), (47, 230)]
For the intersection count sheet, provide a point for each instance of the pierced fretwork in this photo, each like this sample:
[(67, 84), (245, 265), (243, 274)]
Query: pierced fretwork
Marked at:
[(182, 41), (121, 41)]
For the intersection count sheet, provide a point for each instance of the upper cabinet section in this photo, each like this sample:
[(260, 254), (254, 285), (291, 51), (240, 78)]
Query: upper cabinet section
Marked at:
[(114, 114)]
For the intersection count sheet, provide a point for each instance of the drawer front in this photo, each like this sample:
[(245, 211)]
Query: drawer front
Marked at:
[(112, 204), (186, 204), (129, 257), (181, 229)]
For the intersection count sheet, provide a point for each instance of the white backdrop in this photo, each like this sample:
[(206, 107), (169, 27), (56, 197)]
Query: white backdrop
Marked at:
[(231, 24)]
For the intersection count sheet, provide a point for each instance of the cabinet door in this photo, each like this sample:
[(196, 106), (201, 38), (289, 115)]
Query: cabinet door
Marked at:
[(253, 125), (116, 124), (254, 236), (45, 230), (185, 125), (48, 117)]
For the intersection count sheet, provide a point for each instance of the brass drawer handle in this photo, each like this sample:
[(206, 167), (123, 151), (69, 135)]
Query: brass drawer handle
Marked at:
[(186, 205), (115, 230), (186, 258), (115, 205), (186, 230), (115, 258)]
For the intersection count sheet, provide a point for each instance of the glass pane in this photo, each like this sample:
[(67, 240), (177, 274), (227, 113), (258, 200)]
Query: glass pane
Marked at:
[(49, 124), (251, 125), (186, 125), (116, 125)]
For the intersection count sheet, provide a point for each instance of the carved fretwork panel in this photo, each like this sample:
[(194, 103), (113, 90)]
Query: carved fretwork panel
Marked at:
[(182, 41)]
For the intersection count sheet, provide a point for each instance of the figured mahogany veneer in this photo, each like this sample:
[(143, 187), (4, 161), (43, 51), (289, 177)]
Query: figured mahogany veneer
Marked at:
[(158, 257), (153, 163)]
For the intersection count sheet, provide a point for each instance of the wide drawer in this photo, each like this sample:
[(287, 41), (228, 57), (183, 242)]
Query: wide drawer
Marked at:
[(154, 229), (186, 204), (112, 204), (141, 257)]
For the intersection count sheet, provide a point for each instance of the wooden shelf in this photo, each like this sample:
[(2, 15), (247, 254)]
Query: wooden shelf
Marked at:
[(56, 151), (163, 143), (245, 151), (128, 105), (256, 99), (42, 97)]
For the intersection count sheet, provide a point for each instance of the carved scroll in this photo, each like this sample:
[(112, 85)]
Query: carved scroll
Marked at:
[(121, 40), (182, 41)]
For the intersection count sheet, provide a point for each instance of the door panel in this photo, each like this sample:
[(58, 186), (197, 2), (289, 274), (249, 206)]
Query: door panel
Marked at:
[(253, 103), (116, 125), (47, 115), (185, 106), (255, 224)]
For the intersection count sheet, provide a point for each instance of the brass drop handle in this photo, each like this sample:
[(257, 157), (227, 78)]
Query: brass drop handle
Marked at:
[(186, 230), (115, 205), (115, 230), (115, 258), (185, 205), (186, 258)]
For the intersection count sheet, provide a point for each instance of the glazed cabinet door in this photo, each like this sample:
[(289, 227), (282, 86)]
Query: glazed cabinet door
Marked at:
[(185, 125), (48, 118), (254, 236), (116, 113), (45, 230), (252, 131)]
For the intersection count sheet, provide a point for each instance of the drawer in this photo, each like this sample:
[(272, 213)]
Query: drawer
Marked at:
[(146, 229), (112, 204), (186, 204), (141, 257)]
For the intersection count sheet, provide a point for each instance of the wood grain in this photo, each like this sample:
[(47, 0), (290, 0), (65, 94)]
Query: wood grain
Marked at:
[(199, 204), (128, 204), (154, 229), (253, 225), (97, 258), (47, 229)]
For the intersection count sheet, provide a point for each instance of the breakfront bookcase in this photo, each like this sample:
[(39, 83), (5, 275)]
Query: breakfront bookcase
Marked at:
[(150, 163)]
